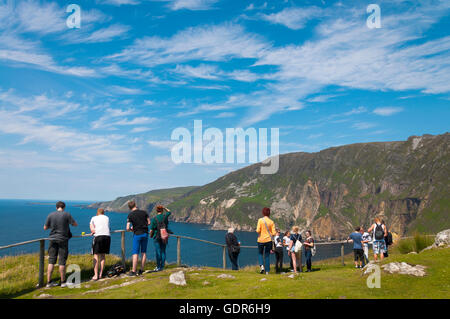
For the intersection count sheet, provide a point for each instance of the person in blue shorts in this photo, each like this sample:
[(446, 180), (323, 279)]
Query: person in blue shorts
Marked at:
[(137, 222)]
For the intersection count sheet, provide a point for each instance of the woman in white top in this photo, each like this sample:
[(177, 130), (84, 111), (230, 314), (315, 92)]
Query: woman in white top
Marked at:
[(286, 242), (102, 241)]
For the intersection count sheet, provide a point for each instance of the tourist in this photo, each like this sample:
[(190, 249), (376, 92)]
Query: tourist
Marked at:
[(102, 241), (278, 252), (358, 251), (309, 244), (295, 256), (366, 239), (160, 234), (234, 248), (138, 222), (59, 224), (386, 240), (378, 243), (286, 242), (266, 231)]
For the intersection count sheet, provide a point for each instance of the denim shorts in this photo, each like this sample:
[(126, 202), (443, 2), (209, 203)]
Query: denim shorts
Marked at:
[(139, 244)]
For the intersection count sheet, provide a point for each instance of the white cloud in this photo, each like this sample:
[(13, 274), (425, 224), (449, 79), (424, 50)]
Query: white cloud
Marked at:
[(387, 111), (294, 18), (101, 35), (363, 125), (119, 3), (162, 144), (205, 43), (192, 4)]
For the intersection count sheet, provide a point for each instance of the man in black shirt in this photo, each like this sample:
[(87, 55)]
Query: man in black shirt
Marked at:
[(58, 222), (138, 221)]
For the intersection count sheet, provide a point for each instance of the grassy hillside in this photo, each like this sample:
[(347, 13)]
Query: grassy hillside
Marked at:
[(329, 280), (330, 192), (145, 200)]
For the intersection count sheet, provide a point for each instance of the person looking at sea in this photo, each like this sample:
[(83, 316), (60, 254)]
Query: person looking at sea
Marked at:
[(59, 224)]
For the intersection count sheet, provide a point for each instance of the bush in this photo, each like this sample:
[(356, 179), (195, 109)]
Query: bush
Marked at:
[(416, 244)]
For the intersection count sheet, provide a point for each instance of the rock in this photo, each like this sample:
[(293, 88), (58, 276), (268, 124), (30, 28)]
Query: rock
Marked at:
[(264, 279), (413, 253), (291, 276), (225, 276), (442, 238), (178, 278), (43, 296), (205, 283), (405, 269)]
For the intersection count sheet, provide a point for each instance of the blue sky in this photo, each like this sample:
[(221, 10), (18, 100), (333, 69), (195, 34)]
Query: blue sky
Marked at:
[(88, 113)]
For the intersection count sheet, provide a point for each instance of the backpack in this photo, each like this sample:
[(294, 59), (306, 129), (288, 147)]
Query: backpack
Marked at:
[(389, 240), (313, 250), (298, 244), (162, 233), (379, 232), (116, 270)]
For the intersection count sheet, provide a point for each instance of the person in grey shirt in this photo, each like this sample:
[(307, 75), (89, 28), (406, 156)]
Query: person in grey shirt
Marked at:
[(58, 222)]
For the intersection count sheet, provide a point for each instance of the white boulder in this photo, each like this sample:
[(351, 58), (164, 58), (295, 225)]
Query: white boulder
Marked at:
[(177, 278)]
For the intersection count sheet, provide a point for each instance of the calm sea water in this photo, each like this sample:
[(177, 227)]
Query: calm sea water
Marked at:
[(22, 220)]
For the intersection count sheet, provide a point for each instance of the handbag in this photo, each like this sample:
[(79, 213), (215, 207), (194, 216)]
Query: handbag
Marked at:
[(271, 238)]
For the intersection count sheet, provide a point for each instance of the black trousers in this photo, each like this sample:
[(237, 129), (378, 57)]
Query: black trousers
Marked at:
[(279, 259), (234, 260)]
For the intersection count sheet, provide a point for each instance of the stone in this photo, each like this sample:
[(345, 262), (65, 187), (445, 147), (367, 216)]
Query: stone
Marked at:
[(264, 279), (369, 268), (442, 238), (205, 283), (404, 269), (178, 278), (291, 276), (43, 296), (226, 276)]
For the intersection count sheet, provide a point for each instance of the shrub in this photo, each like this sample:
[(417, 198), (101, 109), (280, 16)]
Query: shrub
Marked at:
[(418, 243)]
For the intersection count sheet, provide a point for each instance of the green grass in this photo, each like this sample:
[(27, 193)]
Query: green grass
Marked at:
[(329, 280), (415, 244)]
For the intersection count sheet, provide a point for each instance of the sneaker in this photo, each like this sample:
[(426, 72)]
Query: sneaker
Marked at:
[(156, 269), (63, 285), (267, 273), (140, 272), (131, 274), (262, 270), (51, 284)]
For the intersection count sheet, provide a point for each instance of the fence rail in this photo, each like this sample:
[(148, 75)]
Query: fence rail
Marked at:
[(178, 238)]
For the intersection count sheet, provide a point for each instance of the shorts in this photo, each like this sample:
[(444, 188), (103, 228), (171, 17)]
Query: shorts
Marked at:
[(359, 254), (140, 244), (58, 250), (101, 245), (379, 247)]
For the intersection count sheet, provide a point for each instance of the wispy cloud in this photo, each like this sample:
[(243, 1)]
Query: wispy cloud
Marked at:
[(387, 111), (295, 17)]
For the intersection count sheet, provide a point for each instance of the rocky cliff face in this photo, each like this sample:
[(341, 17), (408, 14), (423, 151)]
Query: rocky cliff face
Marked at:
[(406, 183)]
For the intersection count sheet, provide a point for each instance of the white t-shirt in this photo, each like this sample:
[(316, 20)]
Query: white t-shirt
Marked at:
[(101, 224), (278, 242), (287, 240)]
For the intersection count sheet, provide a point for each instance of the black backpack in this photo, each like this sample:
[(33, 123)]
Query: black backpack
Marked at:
[(116, 270), (389, 240), (379, 232)]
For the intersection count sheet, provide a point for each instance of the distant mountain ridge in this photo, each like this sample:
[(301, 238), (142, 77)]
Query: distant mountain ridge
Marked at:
[(331, 191), (146, 201)]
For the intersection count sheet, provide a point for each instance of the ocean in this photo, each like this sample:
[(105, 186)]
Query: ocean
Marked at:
[(23, 220)]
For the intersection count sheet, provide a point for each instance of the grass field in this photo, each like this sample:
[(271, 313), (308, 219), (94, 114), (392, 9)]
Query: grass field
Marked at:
[(18, 277)]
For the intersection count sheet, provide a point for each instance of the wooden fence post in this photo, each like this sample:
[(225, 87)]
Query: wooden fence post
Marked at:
[(178, 251), (342, 254), (224, 257), (41, 262), (122, 244)]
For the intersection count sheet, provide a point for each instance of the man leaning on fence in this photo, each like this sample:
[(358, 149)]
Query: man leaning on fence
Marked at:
[(59, 224)]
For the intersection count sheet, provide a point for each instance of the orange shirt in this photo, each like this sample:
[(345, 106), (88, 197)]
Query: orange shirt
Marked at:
[(261, 229)]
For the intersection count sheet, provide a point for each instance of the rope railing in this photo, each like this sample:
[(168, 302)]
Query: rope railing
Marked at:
[(178, 238)]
